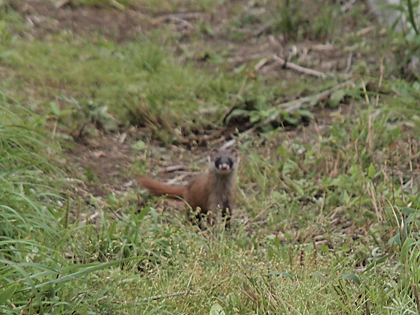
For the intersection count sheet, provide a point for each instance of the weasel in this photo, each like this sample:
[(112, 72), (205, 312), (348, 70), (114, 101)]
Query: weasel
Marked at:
[(209, 192)]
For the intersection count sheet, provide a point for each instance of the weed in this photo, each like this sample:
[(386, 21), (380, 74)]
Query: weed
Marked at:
[(289, 20)]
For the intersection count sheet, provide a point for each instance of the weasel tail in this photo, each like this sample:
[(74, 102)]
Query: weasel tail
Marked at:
[(159, 189)]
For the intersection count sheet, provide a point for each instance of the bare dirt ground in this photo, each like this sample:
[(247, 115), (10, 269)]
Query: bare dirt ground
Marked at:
[(254, 43), (107, 161), (47, 18), (107, 158)]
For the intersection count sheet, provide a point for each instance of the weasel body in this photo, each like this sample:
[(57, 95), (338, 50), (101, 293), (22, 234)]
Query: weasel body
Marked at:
[(211, 191)]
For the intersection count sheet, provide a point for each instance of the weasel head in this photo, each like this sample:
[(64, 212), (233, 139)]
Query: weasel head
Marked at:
[(223, 161)]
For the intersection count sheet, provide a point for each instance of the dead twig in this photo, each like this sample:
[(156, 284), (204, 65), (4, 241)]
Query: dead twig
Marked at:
[(173, 168), (322, 47), (75, 180), (346, 7), (263, 30), (29, 303), (177, 179), (55, 126), (381, 71), (308, 101), (349, 59), (365, 31), (75, 297), (298, 68), (201, 139), (240, 60), (117, 5), (261, 63), (121, 139), (62, 3), (251, 296), (230, 143), (179, 19), (184, 16), (90, 219)]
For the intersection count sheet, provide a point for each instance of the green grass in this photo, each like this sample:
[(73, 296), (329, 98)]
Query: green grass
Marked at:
[(327, 216), (136, 82)]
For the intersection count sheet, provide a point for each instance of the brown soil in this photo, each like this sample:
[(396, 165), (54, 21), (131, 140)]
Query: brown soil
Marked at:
[(104, 162), (113, 24)]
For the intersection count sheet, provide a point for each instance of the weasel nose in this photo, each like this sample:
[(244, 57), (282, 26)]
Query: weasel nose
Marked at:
[(223, 163)]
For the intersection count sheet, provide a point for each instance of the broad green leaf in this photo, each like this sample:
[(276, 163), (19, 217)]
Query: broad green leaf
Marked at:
[(7, 294), (336, 98), (237, 112), (407, 210), (406, 249), (54, 109), (346, 197), (216, 309), (351, 277), (320, 276), (371, 171), (280, 273), (282, 150), (139, 146), (395, 239), (377, 262)]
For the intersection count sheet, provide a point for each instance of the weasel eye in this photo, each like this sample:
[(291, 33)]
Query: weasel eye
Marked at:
[(230, 162)]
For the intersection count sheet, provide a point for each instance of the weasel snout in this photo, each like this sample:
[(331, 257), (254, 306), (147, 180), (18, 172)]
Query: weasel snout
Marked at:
[(223, 163)]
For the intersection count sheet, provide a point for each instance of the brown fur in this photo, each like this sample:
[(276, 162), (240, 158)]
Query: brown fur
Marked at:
[(211, 191)]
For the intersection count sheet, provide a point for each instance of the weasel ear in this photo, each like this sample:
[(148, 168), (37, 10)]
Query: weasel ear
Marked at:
[(233, 151), (212, 154)]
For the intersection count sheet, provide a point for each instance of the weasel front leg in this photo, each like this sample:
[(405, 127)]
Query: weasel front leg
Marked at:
[(227, 214)]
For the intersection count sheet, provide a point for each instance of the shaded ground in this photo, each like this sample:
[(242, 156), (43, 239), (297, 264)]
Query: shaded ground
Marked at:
[(104, 162), (242, 36), (45, 17)]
